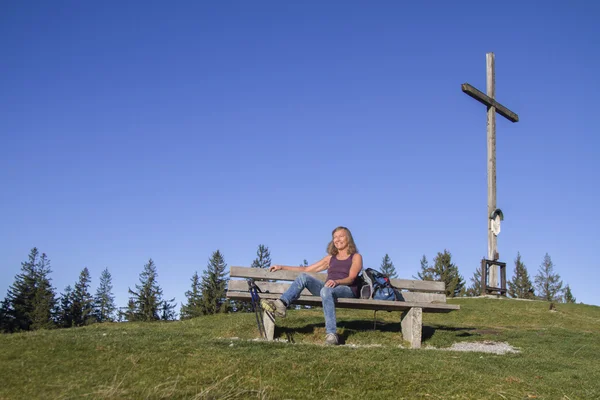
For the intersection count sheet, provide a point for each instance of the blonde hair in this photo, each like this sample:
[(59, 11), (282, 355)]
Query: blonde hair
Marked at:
[(332, 250)]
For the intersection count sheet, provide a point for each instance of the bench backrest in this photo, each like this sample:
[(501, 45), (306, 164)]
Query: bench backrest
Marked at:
[(413, 290)]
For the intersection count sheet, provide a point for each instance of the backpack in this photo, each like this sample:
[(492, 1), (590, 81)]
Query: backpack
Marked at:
[(377, 286)]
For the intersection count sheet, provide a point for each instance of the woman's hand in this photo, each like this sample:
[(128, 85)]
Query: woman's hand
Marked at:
[(274, 268), (331, 283)]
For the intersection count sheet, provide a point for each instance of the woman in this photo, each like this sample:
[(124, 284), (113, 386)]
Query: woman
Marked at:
[(343, 264)]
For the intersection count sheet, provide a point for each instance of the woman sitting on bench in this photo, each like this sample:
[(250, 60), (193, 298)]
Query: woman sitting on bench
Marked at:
[(343, 264)]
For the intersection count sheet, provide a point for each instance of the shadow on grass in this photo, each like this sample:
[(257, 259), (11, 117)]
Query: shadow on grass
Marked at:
[(352, 327), (429, 331)]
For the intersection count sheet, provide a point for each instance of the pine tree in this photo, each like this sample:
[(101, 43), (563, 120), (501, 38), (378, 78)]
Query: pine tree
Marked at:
[(129, 313), (83, 302), (263, 257), (30, 299), (444, 270), (148, 296), (520, 286), (104, 300), (44, 299), (387, 267), (65, 308), (6, 317), (193, 308), (167, 310), (475, 288), (214, 285), (427, 273), (548, 284), (569, 298), (20, 296)]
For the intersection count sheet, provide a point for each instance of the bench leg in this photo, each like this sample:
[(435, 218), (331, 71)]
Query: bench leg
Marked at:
[(269, 324), (412, 325)]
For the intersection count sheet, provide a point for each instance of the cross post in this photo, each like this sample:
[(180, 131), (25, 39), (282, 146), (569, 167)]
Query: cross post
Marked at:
[(493, 106)]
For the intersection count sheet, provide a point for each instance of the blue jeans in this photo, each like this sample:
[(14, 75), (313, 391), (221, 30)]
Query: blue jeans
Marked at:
[(317, 288)]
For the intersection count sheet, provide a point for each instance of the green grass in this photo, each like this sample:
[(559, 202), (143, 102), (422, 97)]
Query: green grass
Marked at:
[(199, 359)]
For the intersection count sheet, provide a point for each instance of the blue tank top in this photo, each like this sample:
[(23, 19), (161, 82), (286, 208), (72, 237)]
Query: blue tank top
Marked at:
[(340, 269)]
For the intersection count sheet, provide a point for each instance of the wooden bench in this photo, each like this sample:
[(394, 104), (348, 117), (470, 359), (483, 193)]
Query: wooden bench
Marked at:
[(417, 297)]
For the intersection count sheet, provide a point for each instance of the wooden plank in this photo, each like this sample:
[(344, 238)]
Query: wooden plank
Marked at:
[(420, 286), (357, 303), (416, 297), (263, 273), (260, 273), (483, 98), (238, 285)]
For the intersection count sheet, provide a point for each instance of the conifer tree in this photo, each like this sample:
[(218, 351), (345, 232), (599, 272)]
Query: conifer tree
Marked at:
[(83, 302), (65, 308), (6, 317), (263, 257), (193, 308), (569, 298), (214, 285), (30, 299), (104, 300), (548, 284), (427, 273), (147, 297), (475, 288), (167, 310), (44, 300), (387, 267), (20, 296), (520, 286), (129, 313), (444, 270)]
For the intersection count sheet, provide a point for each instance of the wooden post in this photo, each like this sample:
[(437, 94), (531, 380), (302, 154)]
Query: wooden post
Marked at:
[(491, 168), (483, 277)]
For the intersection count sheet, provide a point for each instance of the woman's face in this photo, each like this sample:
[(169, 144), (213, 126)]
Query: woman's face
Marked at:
[(340, 239)]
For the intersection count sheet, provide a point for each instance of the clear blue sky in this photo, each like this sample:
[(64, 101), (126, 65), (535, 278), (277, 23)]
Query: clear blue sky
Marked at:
[(136, 130)]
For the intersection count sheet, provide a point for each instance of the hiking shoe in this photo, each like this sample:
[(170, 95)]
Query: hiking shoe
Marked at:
[(331, 339), (274, 306)]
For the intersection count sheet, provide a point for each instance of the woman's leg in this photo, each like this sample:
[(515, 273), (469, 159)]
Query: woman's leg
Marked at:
[(328, 296), (302, 281)]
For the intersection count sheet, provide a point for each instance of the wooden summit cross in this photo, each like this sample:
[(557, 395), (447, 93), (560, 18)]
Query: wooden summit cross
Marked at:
[(492, 107)]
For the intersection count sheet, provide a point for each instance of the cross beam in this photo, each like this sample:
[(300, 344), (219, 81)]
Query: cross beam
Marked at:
[(490, 102)]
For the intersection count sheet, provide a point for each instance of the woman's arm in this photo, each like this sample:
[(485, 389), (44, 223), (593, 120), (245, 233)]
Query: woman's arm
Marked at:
[(357, 265), (320, 265)]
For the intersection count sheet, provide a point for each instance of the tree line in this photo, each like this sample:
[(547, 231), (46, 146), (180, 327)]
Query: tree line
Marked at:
[(547, 284), (32, 302)]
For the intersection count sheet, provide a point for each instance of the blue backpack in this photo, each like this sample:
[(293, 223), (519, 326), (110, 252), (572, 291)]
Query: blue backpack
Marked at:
[(377, 286)]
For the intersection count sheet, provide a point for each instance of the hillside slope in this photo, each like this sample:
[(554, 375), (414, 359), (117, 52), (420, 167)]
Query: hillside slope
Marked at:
[(216, 357)]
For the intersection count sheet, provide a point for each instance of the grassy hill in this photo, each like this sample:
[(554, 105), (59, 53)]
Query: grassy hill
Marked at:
[(215, 357)]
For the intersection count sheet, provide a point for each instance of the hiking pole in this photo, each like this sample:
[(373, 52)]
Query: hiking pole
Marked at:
[(255, 300)]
